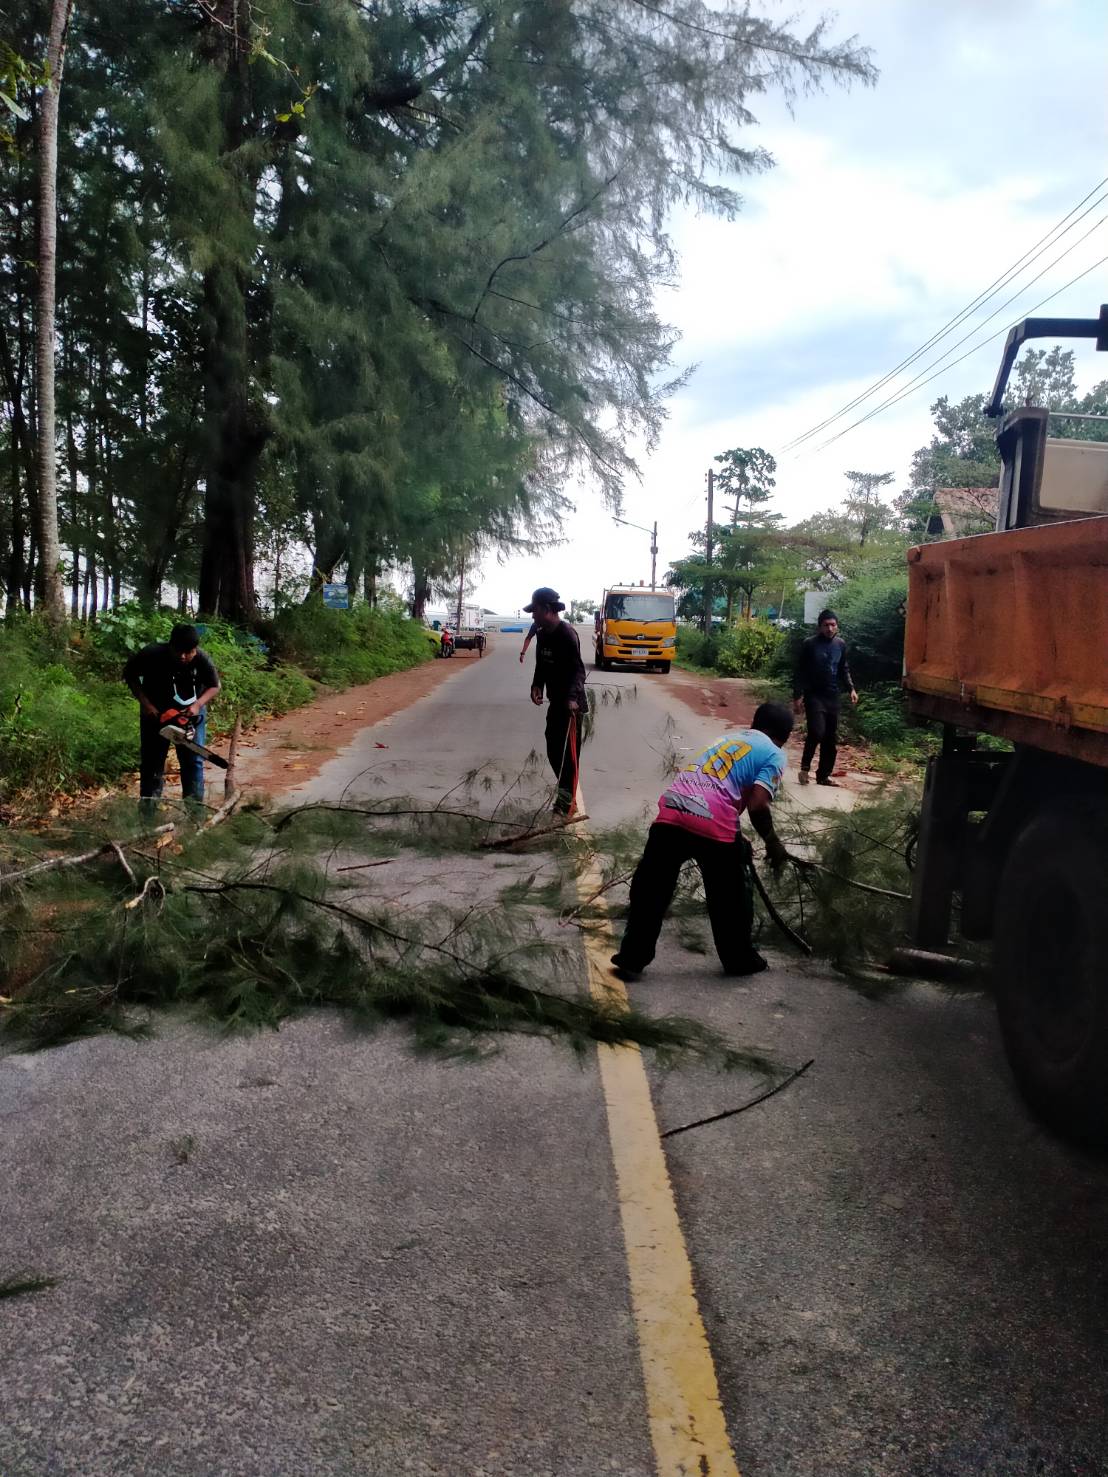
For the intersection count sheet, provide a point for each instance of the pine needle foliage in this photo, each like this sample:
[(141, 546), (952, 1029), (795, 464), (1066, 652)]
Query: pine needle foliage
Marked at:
[(245, 925), (872, 844)]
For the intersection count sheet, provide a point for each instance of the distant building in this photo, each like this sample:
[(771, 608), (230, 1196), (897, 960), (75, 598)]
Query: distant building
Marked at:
[(960, 511)]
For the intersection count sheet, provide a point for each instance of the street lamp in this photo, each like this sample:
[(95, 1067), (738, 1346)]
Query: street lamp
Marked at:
[(653, 532)]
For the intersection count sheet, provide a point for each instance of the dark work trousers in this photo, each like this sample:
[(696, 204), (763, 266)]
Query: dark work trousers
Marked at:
[(727, 889), (153, 752), (822, 716), (564, 736)]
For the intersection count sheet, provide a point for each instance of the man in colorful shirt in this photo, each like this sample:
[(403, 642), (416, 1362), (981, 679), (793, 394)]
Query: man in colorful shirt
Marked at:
[(698, 820)]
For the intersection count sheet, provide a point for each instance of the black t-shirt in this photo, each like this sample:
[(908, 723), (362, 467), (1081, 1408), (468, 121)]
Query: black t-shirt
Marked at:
[(559, 670), (167, 682), (822, 669)]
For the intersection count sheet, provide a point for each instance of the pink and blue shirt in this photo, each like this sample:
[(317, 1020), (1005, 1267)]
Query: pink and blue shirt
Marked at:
[(710, 794)]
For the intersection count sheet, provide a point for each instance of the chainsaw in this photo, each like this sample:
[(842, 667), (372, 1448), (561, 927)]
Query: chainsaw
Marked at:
[(179, 728)]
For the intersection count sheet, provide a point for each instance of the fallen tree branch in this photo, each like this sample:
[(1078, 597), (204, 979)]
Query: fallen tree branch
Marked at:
[(361, 866), (753, 1103), (804, 865), (153, 884), (224, 810), (504, 843), (379, 814), (124, 863), (85, 856), (600, 891), (790, 933)]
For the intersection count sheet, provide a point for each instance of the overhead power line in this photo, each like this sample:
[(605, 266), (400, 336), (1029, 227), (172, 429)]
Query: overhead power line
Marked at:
[(1031, 255), (1000, 332)]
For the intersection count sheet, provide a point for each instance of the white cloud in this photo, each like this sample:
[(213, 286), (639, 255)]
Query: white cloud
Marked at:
[(888, 211)]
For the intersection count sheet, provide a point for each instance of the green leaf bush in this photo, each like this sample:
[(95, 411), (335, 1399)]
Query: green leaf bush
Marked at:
[(67, 721)]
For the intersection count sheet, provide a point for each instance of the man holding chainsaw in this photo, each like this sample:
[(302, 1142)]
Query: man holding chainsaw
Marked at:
[(173, 682)]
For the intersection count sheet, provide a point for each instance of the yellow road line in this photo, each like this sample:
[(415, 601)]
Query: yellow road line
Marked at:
[(687, 1427)]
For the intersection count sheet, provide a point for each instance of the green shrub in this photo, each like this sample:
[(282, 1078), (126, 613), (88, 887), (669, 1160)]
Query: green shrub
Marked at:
[(871, 622), (871, 618), (343, 647), (696, 648), (252, 684), (748, 649), (66, 719)]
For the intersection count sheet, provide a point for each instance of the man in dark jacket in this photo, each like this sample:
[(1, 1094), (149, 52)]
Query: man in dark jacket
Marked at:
[(164, 675), (560, 674), (823, 669)]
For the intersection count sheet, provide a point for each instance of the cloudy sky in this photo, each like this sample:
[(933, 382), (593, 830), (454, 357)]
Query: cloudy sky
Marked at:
[(888, 211)]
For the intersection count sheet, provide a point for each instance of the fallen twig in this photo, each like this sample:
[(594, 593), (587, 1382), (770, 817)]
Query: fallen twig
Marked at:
[(753, 1103), (153, 884), (504, 843), (361, 866), (124, 863), (224, 810), (790, 933), (804, 865), (383, 814), (85, 856), (600, 891)]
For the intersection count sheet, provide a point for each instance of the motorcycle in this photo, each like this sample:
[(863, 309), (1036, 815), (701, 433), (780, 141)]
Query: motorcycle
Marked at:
[(446, 644)]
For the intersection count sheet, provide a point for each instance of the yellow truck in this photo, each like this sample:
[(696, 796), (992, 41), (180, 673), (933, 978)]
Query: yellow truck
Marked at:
[(636, 627)]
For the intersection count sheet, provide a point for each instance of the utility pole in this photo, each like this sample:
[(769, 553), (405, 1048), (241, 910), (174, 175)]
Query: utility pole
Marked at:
[(708, 582), (654, 556), (461, 589)]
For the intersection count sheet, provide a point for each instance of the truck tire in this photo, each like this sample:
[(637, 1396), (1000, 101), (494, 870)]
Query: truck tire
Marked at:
[(1051, 967), (664, 667), (600, 664)]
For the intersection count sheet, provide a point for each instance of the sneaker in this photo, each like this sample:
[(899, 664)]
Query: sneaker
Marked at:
[(622, 972), (754, 965), (803, 776)]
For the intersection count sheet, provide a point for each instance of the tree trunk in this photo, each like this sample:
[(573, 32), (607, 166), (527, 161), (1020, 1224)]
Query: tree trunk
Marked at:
[(238, 435), (237, 427), (50, 554), (421, 593)]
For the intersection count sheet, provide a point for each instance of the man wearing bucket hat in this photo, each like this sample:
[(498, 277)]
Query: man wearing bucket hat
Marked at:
[(560, 675)]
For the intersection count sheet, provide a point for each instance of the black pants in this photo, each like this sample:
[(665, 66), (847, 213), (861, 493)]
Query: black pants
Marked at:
[(153, 752), (822, 715), (564, 737), (727, 889)]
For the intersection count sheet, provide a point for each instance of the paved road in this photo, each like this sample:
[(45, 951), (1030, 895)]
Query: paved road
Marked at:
[(372, 1263)]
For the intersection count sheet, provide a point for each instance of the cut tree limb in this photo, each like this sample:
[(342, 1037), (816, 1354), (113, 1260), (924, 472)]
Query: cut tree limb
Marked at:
[(505, 843), (54, 863)]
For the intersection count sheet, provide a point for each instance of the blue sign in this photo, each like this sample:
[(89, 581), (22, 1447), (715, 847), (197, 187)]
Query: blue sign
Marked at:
[(336, 597)]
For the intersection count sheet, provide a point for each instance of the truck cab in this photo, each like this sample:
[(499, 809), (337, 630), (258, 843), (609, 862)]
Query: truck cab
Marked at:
[(636, 627)]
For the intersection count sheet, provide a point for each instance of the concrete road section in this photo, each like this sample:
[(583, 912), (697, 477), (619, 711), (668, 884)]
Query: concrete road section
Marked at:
[(314, 1253)]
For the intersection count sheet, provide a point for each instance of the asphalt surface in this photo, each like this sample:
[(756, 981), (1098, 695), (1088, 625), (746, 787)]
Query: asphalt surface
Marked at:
[(312, 1252)]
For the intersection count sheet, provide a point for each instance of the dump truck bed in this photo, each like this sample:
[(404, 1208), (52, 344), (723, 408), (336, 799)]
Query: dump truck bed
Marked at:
[(1008, 634)]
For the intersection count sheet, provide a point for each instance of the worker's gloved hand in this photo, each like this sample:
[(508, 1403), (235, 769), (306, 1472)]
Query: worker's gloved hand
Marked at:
[(776, 854)]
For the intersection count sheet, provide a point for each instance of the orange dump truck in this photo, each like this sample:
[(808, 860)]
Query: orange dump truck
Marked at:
[(1007, 635)]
